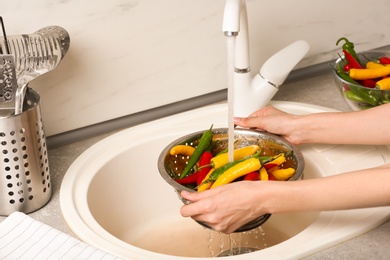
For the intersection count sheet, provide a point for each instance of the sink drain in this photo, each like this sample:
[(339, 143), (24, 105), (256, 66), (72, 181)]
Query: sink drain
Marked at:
[(237, 251)]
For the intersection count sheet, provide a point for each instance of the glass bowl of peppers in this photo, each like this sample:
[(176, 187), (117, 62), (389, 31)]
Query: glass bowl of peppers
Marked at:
[(363, 78), (201, 161)]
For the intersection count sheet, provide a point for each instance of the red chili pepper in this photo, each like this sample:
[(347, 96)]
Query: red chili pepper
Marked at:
[(204, 159), (352, 61), (347, 67), (384, 60), (369, 83), (188, 179), (271, 177), (268, 166), (198, 176), (252, 176)]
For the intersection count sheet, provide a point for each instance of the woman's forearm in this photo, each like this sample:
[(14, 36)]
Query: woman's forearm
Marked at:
[(370, 126), (360, 189)]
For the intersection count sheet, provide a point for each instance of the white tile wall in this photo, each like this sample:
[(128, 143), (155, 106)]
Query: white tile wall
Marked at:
[(127, 56)]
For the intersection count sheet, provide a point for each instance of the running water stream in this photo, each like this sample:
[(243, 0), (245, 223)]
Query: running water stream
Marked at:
[(231, 46), (235, 247)]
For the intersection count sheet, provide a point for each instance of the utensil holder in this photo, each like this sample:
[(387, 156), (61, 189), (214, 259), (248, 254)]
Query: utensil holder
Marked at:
[(25, 183)]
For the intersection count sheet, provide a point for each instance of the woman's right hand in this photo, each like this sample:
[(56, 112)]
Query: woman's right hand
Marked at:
[(274, 121)]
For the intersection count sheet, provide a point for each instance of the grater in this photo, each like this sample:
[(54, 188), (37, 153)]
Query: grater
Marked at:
[(25, 183)]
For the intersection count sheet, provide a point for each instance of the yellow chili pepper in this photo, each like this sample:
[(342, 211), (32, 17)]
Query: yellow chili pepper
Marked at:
[(383, 84), (205, 184), (374, 65), (182, 149), (239, 153), (279, 159), (238, 170), (263, 174), (361, 74), (283, 174)]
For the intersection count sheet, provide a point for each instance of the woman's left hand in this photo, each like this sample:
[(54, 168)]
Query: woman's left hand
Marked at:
[(225, 208)]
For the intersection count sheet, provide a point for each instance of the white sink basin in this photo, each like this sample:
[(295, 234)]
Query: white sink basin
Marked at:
[(113, 197)]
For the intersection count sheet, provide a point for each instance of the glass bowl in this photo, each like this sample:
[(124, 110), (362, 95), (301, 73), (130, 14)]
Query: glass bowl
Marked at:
[(270, 145), (359, 97)]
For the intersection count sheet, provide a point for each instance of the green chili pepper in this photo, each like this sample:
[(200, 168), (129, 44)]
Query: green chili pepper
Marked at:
[(266, 159), (351, 96), (203, 145), (349, 47)]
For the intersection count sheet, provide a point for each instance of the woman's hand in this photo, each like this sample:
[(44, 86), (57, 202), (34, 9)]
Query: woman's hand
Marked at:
[(274, 121), (226, 208)]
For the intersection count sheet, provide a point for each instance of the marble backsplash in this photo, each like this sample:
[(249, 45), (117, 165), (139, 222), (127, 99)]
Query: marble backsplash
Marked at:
[(128, 56)]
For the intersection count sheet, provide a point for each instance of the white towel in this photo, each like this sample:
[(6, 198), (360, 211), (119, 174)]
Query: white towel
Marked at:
[(22, 237)]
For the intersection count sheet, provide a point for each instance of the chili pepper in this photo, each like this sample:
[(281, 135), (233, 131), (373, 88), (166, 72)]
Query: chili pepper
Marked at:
[(369, 83), (182, 149), (271, 177), (202, 172), (205, 185), (347, 67), (283, 174), (360, 74), (203, 144), (252, 176), (361, 92), (278, 159), (239, 153), (219, 171), (192, 178), (384, 60), (240, 169), (351, 96), (383, 84), (269, 165), (373, 65), (264, 159), (264, 174), (349, 47), (352, 61), (215, 173), (345, 76)]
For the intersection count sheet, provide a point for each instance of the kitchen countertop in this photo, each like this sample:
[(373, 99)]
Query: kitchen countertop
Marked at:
[(318, 90)]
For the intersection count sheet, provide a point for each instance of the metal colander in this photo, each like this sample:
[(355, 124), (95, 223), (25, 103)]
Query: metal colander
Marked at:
[(24, 168), (169, 165)]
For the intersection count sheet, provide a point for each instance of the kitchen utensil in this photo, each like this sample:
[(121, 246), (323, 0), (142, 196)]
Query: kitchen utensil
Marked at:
[(35, 55), (243, 137), (25, 184), (8, 85)]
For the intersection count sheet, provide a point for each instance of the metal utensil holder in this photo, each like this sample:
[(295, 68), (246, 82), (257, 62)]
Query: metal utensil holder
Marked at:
[(25, 183)]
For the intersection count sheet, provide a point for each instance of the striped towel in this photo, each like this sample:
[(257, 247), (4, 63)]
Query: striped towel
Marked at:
[(22, 237)]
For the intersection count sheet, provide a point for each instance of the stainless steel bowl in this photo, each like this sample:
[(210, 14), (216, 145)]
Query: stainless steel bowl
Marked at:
[(270, 144)]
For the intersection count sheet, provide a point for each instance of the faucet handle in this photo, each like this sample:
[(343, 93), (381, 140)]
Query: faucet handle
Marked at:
[(277, 68)]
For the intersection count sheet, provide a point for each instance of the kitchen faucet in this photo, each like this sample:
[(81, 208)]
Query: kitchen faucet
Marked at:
[(251, 94)]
